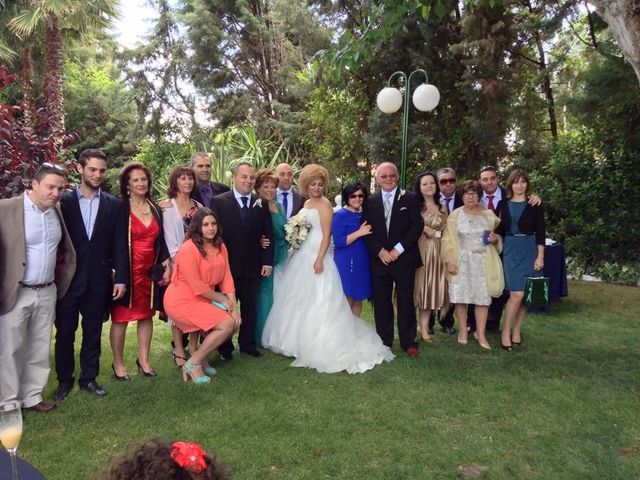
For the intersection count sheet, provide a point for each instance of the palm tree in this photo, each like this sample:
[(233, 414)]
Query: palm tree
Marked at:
[(46, 19)]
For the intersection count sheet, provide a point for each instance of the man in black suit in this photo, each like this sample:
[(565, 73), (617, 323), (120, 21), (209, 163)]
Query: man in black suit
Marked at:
[(205, 189), (286, 195), (96, 223), (451, 199), (393, 244), (492, 199), (245, 220)]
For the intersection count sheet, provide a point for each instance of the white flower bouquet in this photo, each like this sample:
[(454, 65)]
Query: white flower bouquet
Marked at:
[(296, 229)]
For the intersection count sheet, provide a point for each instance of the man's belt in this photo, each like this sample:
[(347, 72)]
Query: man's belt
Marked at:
[(37, 286)]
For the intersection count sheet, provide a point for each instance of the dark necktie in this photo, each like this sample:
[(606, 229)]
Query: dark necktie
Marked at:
[(448, 201), (206, 195), (244, 211), (490, 205), (285, 203)]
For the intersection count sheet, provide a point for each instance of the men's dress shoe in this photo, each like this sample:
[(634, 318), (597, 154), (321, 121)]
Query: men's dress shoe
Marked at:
[(62, 391), (226, 357), (95, 388), (449, 330), (254, 352), (412, 352), (42, 407)]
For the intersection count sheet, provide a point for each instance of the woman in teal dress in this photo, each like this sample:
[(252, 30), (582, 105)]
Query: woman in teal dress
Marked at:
[(266, 184), (523, 228)]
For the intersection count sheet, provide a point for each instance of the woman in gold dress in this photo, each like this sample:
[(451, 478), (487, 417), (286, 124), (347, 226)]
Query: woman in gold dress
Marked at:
[(430, 291)]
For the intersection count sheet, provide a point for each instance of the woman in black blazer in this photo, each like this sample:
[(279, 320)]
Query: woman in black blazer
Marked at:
[(523, 229), (149, 263)]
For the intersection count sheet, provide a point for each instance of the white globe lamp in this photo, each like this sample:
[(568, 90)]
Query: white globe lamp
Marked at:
[(425, 97), (389, 100)]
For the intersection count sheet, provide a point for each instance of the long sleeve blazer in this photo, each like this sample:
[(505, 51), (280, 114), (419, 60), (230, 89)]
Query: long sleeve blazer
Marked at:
[(405, 227), (14, 256), (531, 221), (246, 256), (105, 253)]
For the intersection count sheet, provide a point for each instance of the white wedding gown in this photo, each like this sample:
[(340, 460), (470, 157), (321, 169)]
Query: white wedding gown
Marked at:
[(311, 319)]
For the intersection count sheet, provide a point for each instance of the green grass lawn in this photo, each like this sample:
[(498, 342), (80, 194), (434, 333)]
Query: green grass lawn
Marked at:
[(565, 405)]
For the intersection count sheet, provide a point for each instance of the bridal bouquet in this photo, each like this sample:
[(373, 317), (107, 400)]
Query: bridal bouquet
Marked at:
[(296, 229)]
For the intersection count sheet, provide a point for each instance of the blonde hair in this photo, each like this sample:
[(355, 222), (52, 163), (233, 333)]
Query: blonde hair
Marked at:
[(310, 173)]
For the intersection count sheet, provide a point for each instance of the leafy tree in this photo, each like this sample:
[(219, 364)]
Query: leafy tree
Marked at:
[(98, 105), (45, 20)]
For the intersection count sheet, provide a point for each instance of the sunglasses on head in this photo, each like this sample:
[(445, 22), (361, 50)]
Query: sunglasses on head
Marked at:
[(356, 195), (444, 181), (49, 166), (488, 168)]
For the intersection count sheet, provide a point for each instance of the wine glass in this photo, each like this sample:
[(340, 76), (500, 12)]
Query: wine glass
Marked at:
[(11, 433)]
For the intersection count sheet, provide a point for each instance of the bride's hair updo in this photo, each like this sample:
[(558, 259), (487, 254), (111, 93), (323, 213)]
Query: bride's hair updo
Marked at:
[(310, 173)]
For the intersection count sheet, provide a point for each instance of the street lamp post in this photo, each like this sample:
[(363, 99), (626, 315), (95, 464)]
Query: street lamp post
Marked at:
[(390, 99)]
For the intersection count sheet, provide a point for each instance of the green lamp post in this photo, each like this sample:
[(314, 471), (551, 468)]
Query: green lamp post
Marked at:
[(390, 99)]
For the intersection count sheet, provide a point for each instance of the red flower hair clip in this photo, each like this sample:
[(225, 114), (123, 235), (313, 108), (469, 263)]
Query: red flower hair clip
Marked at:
[(189, 456)]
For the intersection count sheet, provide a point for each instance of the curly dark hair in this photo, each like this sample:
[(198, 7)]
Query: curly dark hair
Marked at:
[(176, 173), (194, 231), (125, 174), (153, 459)]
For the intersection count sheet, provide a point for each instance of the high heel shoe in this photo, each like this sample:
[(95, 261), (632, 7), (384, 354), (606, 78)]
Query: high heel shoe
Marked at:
[(178, 357), (426, 338), (484, 345), (210, 371), (187, 371), (123, 378), (516, 344), (150, 373), (508, 348), (462, 341)]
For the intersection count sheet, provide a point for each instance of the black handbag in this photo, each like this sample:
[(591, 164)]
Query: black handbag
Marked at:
[(536, 291)]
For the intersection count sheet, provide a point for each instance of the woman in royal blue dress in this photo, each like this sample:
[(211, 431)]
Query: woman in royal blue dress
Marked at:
[(351, 254), (524, 237)]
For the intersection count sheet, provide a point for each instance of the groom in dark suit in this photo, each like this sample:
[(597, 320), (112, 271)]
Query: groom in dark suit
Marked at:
[(397, 225), (245, 219), (96, 223)]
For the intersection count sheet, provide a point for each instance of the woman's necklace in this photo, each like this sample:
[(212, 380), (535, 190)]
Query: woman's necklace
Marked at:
[(141, 209)]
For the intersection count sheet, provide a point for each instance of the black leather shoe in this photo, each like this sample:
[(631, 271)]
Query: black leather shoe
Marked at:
[(253, 352), (449, 330), (120, 378), (95, 388), (226, 357), (62, 391)]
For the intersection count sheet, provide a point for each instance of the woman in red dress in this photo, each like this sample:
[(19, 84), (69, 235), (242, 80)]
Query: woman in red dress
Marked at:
[(201, 296), (149, 258)]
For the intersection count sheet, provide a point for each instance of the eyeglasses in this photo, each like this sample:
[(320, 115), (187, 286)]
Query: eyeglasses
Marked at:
[(357, 195), (450, 181), (471, 194), (49, 166), (388, 176)]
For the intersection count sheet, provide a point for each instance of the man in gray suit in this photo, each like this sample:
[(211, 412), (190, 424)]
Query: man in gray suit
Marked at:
[(38, 264)]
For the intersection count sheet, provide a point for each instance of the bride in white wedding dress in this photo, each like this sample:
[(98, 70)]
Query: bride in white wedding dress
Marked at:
[(310, 318)]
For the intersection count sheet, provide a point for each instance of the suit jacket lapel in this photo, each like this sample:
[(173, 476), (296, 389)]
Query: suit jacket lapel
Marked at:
[(103, 207), (74, 207)]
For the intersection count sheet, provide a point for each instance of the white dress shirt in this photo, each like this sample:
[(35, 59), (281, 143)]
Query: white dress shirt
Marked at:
[(279, 198), (89, 210), (497, 197), (42, 233), (398, 246), (239, 196)]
